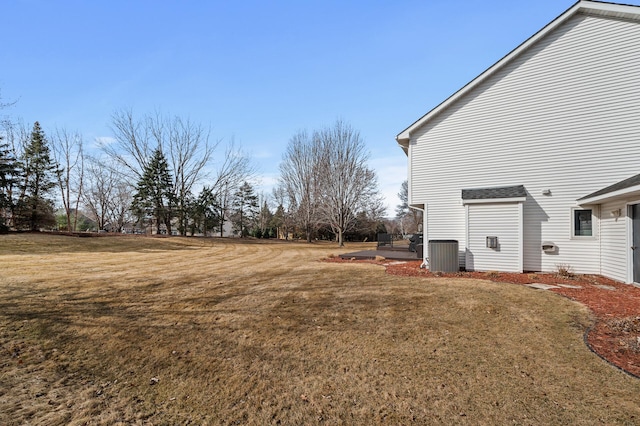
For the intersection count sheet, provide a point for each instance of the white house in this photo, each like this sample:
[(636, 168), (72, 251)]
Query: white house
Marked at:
[(542, 151)]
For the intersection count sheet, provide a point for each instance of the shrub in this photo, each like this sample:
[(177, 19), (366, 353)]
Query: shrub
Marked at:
[(565, 270), (493, 274)]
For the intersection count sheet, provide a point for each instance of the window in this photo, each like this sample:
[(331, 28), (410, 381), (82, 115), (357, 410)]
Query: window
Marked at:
[(582, 223)]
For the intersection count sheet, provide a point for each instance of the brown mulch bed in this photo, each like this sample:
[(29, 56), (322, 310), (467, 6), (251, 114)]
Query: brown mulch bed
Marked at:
[(615, 336)]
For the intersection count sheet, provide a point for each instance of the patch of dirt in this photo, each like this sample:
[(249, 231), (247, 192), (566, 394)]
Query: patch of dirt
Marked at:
[(615, 335)]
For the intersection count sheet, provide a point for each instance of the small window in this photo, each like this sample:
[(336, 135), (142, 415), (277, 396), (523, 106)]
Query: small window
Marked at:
[(583, 223)]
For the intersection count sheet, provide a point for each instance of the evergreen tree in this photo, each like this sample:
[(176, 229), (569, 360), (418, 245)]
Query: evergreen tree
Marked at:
[(154, 197), (279, 223), (9, 173), (204, 212), (264, 221), (245, 204), (35, 209)]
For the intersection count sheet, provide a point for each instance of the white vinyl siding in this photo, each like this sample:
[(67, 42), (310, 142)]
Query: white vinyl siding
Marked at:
[(613, 236), (502, 220), (562, 116)]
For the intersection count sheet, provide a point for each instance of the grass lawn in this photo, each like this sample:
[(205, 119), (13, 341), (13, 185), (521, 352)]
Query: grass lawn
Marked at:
[(136, 330)]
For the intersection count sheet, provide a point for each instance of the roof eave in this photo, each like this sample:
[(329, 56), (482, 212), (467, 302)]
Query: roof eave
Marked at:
[(494, 200), (403, 141), (632, 191)]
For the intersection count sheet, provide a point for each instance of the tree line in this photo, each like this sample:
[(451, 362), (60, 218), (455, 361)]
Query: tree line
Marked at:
[(165, 174), (147, 177), (327, 185)]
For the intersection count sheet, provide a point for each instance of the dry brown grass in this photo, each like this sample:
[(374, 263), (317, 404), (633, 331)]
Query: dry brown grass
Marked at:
[(264, 333)]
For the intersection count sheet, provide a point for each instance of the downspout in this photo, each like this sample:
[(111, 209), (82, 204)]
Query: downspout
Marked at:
[(425, 259), (404, 143), (425, 237)]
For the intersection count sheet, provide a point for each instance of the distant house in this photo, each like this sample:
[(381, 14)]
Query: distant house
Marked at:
[(541, 151)]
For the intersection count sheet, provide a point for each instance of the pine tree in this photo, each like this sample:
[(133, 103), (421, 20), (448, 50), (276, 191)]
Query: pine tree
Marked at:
[(279, 223), (245, 203), (9, 173), (154, 193), (35, 209), (264, 221), (203, 212)]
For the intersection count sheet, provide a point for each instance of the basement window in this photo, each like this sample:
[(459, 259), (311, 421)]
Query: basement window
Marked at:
[(582, 223)]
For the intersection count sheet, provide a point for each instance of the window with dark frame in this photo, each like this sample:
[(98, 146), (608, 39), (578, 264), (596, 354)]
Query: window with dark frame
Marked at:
[(582, 223)]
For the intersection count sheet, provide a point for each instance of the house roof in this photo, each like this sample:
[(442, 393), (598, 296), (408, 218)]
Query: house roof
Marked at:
[(624, 188), (503, 192), (585, 7)]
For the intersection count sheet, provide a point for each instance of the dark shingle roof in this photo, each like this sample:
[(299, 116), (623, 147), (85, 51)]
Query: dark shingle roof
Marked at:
[(490, 193), (623, 184)]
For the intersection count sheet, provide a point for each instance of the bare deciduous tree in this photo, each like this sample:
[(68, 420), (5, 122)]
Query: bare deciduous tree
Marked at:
[(119, 212), (281, 218), (69, 157), (6, 104), (189, 151), (410, 220), (107, 195), (299, 173), (133, 144), (327, 180), (233, 169), (347, 185)]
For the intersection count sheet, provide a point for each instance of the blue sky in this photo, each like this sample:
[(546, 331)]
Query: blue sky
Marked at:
[(256, 71)]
